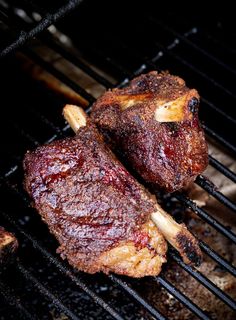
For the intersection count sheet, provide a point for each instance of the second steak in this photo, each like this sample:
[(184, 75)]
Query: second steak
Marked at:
[(154, 124)]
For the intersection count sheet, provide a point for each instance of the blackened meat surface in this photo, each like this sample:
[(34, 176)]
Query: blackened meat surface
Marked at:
[(154, 124), (8, 246), (98, 212)]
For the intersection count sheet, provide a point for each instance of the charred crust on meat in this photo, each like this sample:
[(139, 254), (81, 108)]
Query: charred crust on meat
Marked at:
[(142, 124), (190, 248), (93, 206)]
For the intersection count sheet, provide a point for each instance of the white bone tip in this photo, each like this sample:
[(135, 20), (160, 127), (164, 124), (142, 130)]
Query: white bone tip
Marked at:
[(75, 116)]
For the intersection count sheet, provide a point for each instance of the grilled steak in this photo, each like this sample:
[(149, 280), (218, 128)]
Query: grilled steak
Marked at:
[(153, 123), (98, 212)]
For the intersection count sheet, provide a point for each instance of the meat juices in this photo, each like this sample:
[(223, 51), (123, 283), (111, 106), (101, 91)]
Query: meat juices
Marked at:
[(153, 123), (97, 211)]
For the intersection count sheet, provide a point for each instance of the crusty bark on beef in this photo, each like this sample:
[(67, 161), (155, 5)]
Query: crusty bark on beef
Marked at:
[(98, 212), (153, 123)]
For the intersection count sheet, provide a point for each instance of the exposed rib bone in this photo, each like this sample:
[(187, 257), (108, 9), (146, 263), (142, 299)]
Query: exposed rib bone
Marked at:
[(172, 110), (8, 245), (176, 234), (75, 116)]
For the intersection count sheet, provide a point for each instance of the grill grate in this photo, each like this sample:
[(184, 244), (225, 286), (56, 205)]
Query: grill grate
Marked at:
[(13, 301), (44, 23), (145, 65)]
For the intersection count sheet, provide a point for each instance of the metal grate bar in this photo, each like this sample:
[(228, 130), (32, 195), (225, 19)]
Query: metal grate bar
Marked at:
[(46, 121), (44, 291), (58, 74), (206, 283), (217, 137), (48, 20), (206, 217), (221, 168), (216, 257), (218, 110), (25, 135), (212, 190), (219, 43), (192, 44), (52, 44), (13, 301), (49, 40), (194, 69), (182, 298), (221, 261), (137, 297), (112, 62)]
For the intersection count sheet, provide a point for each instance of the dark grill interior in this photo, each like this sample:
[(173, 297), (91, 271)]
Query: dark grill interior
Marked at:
[(111, 49)]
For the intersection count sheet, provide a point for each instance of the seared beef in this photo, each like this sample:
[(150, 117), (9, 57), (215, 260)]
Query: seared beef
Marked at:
[(153, 123), (97, 211)]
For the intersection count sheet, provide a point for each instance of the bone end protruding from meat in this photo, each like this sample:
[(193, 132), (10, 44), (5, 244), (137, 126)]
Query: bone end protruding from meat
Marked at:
[(176, 110), (75, 116), (178, 236), (8, 246), (173, 110)]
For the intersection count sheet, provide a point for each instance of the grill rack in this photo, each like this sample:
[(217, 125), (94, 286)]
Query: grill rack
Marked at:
[(46, 38)]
